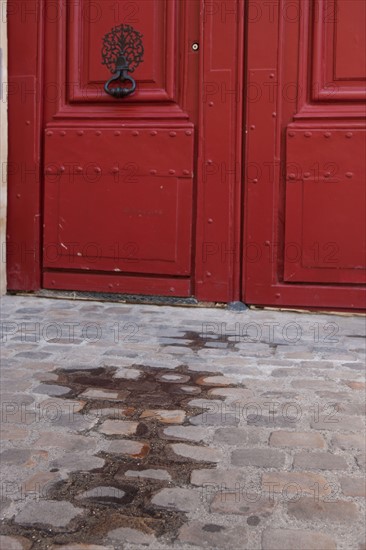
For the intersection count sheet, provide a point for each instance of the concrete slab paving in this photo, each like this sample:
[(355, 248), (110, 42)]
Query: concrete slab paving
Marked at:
[(133, 426)]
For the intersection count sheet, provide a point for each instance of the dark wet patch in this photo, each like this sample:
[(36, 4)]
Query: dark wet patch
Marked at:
[(200, 340), (253, 520), (150, 391)]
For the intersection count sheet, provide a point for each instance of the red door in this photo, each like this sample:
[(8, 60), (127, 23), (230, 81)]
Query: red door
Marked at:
[(143, 193), (118, 196), (306, 178), (137, 193)]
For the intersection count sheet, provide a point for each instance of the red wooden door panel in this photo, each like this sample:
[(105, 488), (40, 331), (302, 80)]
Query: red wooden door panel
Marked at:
[(306, 177), (119, 191), (106, 210), (325, 231)]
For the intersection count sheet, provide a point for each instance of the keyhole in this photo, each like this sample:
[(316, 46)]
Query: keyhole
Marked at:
[(195, 46)]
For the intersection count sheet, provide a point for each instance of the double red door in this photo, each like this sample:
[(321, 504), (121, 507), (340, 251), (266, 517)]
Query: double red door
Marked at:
[(209, 180)]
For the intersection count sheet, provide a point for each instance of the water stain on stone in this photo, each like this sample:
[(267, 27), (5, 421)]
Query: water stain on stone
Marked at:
[(156, 388), (253, 520)]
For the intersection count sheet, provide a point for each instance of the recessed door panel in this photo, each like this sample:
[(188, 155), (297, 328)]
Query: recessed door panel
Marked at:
[(119, 200), (325, 206)]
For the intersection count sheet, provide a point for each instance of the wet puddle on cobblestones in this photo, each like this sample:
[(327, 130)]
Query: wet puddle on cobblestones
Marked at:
[(148, 401)]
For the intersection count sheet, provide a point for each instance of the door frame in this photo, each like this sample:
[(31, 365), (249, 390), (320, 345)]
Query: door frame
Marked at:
[(217, 227)]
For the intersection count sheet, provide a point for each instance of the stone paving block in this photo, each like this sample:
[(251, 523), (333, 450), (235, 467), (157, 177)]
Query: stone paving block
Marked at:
[(52, 389), (299, 355), (353, 486), (10, 385), (242, 503), (286, 539), (128, 374), (190, 433), (81, 546), (117, 412), (218, 480), (319, 461), (44, 376), (298, 483), (134, 449), (269, 421), (78, 462), (216, 345), (213, 535), (350, 409), (232, 394), (339, 357), (11, 432), (184, 500), (356, 385), (296, 439), (174, 378), (118, 427), (279, 395), (14, 543), (73, 422), (29, 310), (66, 442), (286, 372), (178, 350), (165, 416), (339, 422), (131, 536), (16, 457), (195, 452), (190, 390), (209, 418), (150, 473), (218, 381), (349, 441), (15, 399), (355, 366), (48, 512), (209, 405), (310, 509), (231, 436), (99, 394), (315, 385), (161, 362), (102, 493), (35, 355), (259, 457)]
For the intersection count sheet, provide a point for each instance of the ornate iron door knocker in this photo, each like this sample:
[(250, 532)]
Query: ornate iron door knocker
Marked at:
[(122, 52)]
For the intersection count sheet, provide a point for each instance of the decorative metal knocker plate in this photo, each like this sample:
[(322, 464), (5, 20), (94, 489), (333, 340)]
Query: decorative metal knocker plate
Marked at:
[(122, 53)]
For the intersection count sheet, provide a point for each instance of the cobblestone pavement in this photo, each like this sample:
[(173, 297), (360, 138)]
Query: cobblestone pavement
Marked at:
[(135, 426)]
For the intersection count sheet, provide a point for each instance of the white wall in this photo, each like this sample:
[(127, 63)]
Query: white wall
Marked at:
[(3, 147)]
